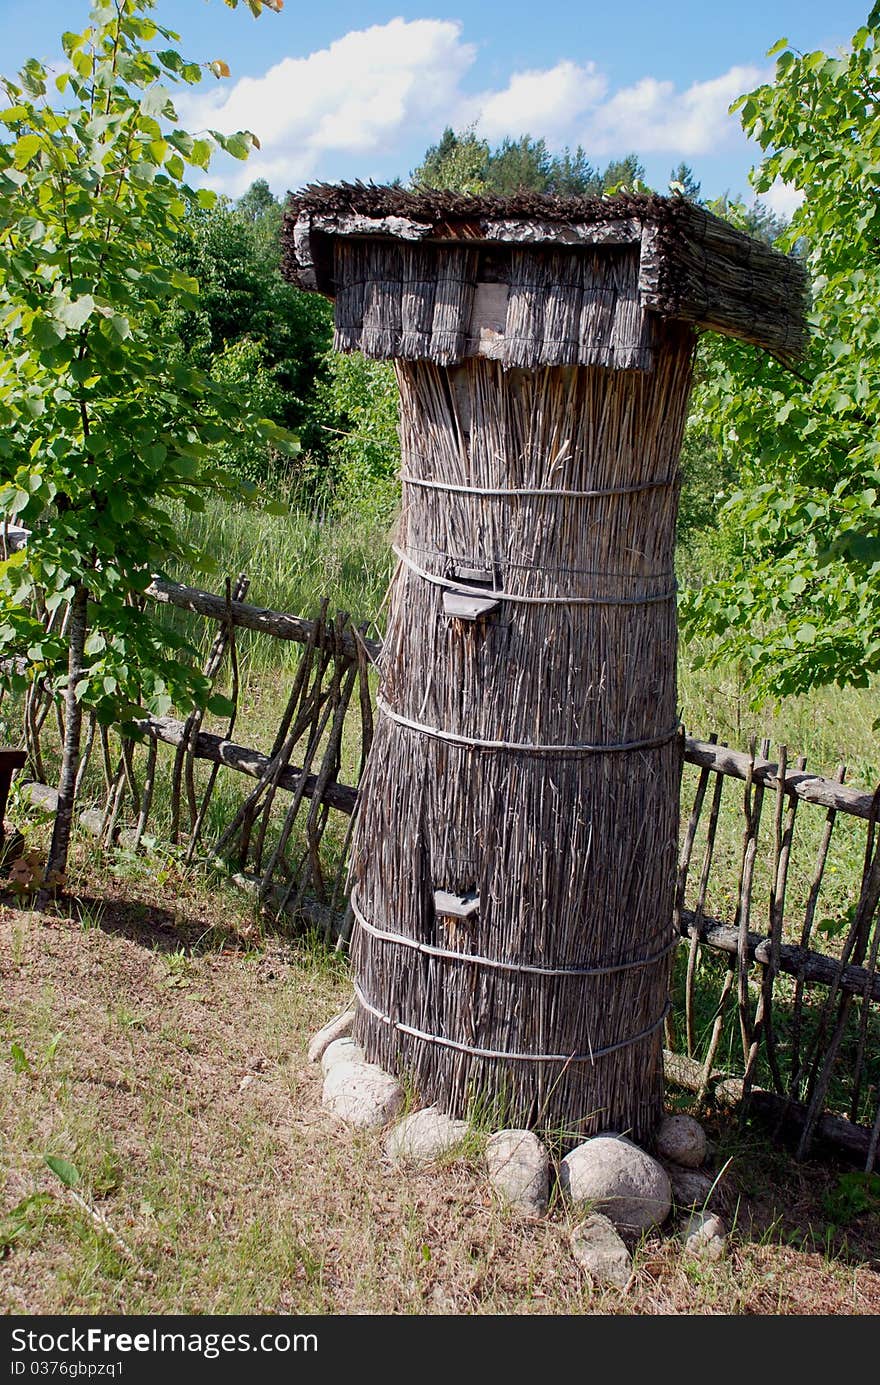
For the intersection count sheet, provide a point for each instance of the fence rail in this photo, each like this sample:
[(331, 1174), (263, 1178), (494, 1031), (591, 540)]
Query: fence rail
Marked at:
[(279, 624), (812, 788), (795, 1056)]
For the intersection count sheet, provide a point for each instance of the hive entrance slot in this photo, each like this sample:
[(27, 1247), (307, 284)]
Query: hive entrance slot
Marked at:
[(463, 606)]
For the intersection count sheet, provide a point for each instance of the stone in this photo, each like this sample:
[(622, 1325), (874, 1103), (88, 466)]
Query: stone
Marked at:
[(41, 796), (624, 1183), (338, 1028), (362, 1094), (519, 1171), (682, 1140), (598, 1249), (343, 1050), (691, 1187), (424, 1136), (682, 1071), (92, 820), (705, 1236), (730, 1092)]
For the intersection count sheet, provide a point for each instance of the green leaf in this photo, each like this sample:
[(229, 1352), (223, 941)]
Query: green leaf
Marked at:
[(74, 314), (155, 101), (220, 706), (68, 1173), (238, 144), (144, 171), (19, 1058), (19, 1219), (186, 282), (25, 148), (200, 154), (47, 332), (72, 43), (97, 443), (169, 58), (861, 548), (182, 141), (33, 78), (120, 326)]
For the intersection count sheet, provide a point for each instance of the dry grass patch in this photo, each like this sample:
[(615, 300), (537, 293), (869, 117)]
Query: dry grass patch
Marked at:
[(156, 1041)]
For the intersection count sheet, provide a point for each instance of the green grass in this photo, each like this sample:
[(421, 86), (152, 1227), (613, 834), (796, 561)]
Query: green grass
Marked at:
[(829, 726), (294, 561)]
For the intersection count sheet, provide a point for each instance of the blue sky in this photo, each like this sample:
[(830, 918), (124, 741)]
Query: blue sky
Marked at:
[(344, 90)]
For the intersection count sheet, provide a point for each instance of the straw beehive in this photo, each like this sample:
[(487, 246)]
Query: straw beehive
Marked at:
[(514, 854)]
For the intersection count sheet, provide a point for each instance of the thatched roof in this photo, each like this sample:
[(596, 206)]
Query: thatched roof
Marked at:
[(559, 271)]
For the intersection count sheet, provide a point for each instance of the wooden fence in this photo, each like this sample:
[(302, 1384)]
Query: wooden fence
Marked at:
[(777, 987)]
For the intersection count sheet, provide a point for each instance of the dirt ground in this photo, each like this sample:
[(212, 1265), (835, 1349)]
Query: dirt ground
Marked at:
[(155, 1040)]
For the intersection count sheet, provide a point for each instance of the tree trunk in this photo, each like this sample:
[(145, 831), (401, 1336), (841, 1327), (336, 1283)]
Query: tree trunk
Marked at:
[(77, 628)]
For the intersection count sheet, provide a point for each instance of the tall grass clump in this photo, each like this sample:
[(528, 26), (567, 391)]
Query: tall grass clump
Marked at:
[(294, 560)]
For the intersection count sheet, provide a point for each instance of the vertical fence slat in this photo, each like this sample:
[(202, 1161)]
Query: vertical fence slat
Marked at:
[(681, 886)]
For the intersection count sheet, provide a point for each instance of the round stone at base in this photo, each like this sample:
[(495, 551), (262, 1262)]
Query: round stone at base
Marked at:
[(624, 1183), (519, 1171), (682, 1140), (599, 1250), (343, 1050), (337, 1028), (424, 1136), (362, 1095), (705, 1236)]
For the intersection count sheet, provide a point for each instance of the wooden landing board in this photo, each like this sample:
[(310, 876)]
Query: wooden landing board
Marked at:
[(462, 607), (456, 906)]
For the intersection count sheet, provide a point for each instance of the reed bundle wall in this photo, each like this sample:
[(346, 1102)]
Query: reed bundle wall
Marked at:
[(411, 302), (561, 484)]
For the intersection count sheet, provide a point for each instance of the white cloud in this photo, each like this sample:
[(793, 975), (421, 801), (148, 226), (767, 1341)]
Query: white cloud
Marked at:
[(782, 198), (355, 97), (652, 117), (374, 99), (540, 102)]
